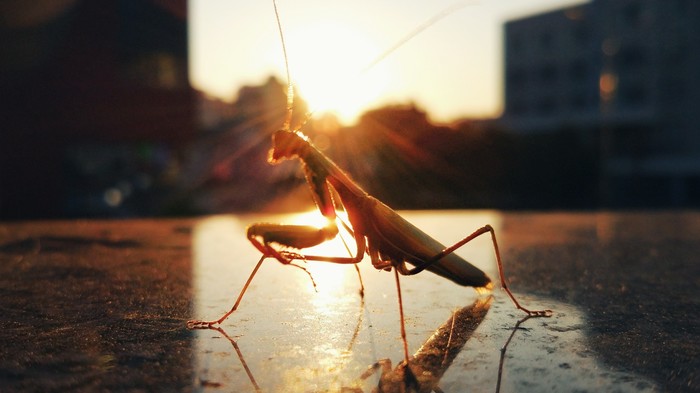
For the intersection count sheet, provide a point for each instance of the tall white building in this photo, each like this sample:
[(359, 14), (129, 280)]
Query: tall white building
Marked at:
[(626, 73)]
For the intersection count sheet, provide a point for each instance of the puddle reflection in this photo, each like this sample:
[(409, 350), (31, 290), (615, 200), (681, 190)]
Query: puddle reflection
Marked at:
[(426, 366), (505, 348), (206, 383), (435, 356)]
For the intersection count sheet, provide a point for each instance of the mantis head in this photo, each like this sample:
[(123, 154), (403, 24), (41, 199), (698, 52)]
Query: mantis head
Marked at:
[(287, 145)]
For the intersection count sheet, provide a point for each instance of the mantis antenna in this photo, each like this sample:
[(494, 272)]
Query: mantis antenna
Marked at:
[(406, 38), (290, 89)]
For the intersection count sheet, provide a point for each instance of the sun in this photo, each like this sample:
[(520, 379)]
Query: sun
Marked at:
[(327, 65)]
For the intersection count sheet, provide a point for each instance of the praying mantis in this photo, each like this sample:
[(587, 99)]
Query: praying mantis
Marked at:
[(391, 242)]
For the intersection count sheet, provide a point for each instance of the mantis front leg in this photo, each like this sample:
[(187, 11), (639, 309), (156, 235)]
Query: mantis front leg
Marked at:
[(298, 237), (199, 324), (264, 235)]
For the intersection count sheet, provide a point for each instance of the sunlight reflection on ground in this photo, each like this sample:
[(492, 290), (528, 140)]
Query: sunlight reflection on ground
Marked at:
[(293, 338)]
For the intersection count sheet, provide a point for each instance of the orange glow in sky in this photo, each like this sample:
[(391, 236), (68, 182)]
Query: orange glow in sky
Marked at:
[(452, 69), (325, 59)]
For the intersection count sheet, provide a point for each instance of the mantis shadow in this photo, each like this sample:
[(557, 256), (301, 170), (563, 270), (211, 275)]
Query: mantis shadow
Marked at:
[(427, 366)]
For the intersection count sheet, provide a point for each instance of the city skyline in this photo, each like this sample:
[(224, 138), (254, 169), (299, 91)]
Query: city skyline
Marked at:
[(457, 74)]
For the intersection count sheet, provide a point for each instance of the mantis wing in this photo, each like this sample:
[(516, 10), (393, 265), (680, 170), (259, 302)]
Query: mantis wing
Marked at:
[(399, 240)]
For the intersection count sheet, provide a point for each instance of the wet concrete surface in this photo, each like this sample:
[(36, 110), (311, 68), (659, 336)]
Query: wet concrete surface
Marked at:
[(102, 306)]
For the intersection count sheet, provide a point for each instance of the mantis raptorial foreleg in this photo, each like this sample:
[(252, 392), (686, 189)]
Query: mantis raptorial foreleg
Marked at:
[(198, 324), (264, 235)]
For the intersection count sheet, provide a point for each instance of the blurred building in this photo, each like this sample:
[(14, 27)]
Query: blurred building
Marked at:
[(96, 104), (624, 74)]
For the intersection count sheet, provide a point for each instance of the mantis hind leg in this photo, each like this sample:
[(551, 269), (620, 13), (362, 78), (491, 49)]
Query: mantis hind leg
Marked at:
[(504, 285)]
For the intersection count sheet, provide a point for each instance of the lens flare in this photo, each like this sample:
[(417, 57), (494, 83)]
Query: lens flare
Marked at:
[(327, 62)]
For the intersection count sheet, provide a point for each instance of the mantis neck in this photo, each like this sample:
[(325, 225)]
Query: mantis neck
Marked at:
[(318, 162)]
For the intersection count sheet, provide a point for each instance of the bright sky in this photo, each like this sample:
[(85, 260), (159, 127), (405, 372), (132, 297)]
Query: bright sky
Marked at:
[(452, 69)]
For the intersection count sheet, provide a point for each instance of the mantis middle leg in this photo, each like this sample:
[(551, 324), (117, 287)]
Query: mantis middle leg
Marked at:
[(297, 236)]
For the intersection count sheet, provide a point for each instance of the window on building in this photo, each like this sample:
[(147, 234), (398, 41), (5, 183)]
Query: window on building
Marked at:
[(516, 106), (546, 106), (578, 101), (548, 73), (632, 96), (516, 78), (581, 35), (546, 40), (515, 44), (631, 57), (578, 70), (632, 14)]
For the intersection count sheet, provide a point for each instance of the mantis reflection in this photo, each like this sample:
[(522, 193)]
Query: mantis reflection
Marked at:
[(424, 369)]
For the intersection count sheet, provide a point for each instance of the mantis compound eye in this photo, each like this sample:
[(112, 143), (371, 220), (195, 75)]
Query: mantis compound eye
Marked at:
[(286, 145)]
